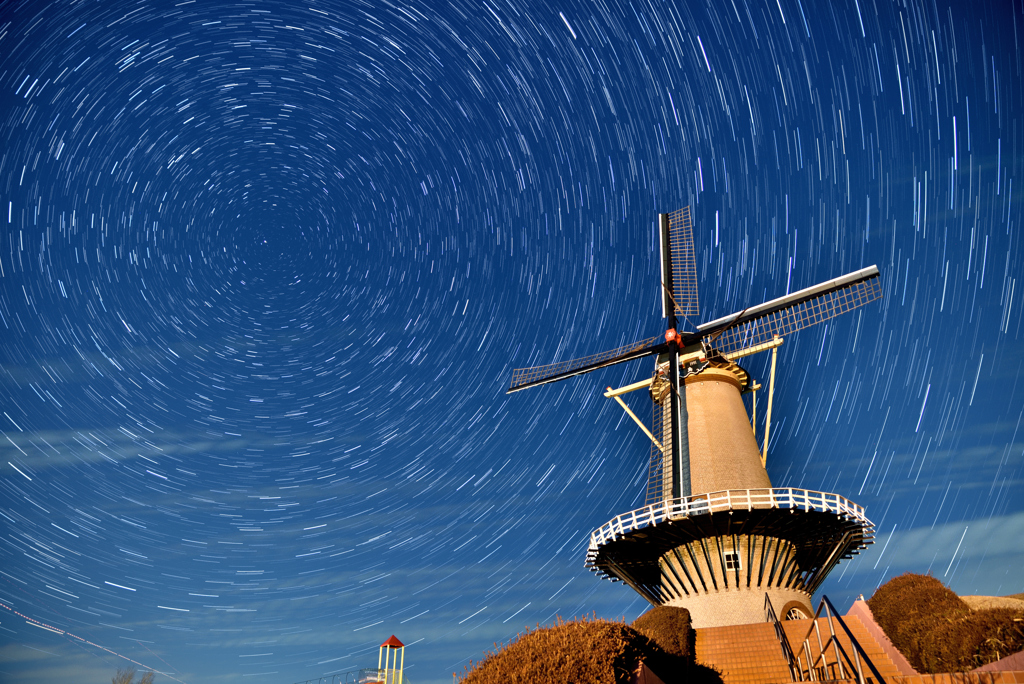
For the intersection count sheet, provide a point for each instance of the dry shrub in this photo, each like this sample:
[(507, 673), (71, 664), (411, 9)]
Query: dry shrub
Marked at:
[(910, 595), (582, 650), (976, 639), (909, 607), (123, 676), (670, 628), (589, 651), (127, 676), (937, 632)]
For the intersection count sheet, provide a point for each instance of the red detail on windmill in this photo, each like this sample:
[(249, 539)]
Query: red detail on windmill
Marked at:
[(393, 642), (671, 335)]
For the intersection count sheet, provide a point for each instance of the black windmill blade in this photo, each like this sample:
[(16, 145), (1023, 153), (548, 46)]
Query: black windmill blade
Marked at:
[(678, 265), (743, 331), (679, 296), (553, 372)]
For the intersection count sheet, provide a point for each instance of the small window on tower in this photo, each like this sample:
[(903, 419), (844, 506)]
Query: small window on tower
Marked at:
[(732, 560)]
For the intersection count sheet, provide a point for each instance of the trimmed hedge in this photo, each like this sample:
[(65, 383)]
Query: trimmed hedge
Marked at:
[(590, 651), (670, 628), (582, 650), (938, 632)]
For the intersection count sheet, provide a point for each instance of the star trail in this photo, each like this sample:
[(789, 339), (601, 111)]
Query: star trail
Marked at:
[(266, 268)]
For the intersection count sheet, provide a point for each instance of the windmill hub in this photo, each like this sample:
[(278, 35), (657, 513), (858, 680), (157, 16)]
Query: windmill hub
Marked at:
[(714, 536)]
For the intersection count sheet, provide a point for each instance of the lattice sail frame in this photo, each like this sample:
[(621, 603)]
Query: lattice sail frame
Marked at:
[(684, 262), (656, 469), (737, 332), (564, 369), (792, 317)]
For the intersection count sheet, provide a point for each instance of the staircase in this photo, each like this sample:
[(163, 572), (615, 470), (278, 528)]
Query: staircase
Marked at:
[(751, 654), (801, 632), (744, 654)]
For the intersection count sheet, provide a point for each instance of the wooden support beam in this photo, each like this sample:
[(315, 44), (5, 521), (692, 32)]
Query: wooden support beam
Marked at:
[(635, 419), (629, 388), (732, 356), (775, 344)]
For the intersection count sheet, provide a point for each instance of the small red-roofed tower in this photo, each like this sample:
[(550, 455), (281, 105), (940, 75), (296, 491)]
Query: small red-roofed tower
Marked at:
[(391, 661)]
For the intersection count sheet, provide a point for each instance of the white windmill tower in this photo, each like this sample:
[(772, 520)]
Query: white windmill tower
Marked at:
[(714, 536)]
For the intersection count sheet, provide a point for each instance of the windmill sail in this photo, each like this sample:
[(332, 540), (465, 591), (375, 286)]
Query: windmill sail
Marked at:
[(681, 282), (785, 315), (552, 372), (740, 331)]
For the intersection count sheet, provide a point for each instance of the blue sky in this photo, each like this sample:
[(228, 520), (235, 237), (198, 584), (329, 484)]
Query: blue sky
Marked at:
[(266, 269)]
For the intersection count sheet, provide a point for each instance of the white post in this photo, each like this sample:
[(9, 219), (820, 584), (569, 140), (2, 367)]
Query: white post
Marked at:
[(768, 419)]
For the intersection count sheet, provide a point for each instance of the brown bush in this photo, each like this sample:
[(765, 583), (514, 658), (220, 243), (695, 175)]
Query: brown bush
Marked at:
[(976, 639), (937, 632), (670, 628), (909, 596), (582, 650), (590, 651), (909, 608)]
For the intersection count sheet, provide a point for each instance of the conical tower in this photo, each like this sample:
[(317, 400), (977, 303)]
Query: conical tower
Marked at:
[(714, 536)]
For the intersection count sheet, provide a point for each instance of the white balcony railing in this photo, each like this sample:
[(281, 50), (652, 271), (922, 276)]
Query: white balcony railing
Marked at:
[(730, 500)]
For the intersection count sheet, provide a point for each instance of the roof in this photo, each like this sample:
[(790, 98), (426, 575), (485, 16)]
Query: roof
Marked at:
[(393, 642)]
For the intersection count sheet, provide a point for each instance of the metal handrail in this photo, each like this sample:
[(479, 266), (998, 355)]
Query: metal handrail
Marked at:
[(727, 500), (805, 666), (780, 634), (859, 652)]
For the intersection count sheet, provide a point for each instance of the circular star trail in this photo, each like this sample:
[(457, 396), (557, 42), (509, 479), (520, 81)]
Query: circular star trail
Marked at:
[(266, 268)]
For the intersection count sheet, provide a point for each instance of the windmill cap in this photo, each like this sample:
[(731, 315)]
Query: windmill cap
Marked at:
[(393, 642)]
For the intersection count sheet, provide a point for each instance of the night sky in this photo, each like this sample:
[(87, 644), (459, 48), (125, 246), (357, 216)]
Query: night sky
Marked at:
[(266, 268)]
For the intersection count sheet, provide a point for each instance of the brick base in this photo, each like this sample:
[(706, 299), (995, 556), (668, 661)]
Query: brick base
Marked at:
[(739, 606)]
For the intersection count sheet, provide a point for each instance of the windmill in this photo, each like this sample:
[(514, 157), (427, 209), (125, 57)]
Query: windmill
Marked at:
[(714, 536)]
